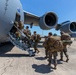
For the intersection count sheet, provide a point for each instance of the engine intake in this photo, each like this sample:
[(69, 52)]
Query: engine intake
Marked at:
[(48, 21), (73, 26), (69, 27)]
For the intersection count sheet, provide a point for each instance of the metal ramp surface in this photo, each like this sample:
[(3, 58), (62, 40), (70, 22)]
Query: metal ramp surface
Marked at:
[(19, 43)]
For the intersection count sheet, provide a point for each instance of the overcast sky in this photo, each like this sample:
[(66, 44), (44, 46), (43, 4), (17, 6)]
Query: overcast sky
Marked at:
[(65, 10)]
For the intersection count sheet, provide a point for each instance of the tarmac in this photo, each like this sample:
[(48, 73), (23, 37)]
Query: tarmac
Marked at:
[(14, 61)]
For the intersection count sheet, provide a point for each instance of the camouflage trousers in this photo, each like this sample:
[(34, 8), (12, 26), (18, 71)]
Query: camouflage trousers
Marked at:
[(46, 52), (35, 47), (65, 52), (54, 55)]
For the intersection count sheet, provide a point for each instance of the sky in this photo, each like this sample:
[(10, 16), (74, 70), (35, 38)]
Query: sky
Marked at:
[(65, 10)]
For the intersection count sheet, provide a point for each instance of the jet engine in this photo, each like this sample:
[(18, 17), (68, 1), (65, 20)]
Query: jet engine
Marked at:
[(68, 27), (48, 21)]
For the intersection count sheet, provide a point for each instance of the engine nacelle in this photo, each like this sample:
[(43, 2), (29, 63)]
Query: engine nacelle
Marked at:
[(48, 21), (68, 27)]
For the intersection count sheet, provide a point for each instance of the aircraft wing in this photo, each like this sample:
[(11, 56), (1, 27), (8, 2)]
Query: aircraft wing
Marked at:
[(45, 22), (31, 19)]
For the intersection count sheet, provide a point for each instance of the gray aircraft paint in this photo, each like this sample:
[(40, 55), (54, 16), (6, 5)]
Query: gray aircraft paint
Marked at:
[(8, 10)]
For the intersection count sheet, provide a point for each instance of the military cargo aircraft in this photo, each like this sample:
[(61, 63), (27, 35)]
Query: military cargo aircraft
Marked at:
[(11, 11)]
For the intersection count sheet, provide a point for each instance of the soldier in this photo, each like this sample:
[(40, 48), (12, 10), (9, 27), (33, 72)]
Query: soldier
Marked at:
[(64, 47), (28, 34), (53, 45), (52, 54), (46, 37), (20, 25), (35, 39), (51, 50), (17, 35), (44, 44)]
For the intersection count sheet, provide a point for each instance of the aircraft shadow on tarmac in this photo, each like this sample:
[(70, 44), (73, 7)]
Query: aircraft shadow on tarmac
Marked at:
[(42, 68), (15, 55), (8, 47)]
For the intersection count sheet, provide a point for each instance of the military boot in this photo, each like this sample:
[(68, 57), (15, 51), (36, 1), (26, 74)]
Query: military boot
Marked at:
[(49, 64), (38, 51), (55, 67), (67, 59), (61, 59)]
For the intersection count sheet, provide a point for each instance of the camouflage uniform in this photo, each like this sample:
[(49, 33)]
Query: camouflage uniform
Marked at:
[(53, 46), (64, 46), (54, 55), (65, 52), (46, 53), (36, 38), (45, 44), (35, 47), (46, 50), (17, 35), (28, 34), (50, 55), (20, 25)]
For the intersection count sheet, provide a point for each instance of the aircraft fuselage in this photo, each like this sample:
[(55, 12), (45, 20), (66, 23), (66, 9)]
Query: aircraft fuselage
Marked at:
[(8, 11)]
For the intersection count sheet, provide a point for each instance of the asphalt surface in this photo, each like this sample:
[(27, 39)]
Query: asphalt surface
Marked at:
[(14, 61)]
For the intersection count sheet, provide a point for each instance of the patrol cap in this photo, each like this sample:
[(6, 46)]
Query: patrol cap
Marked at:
[(27, 27), (34, 31), (50, 33)]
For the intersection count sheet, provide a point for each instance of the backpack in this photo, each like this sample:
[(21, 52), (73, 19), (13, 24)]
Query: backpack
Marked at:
[(54, 44), (66, 39), (36, 38)]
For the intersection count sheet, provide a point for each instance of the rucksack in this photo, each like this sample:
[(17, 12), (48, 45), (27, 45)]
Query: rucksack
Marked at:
[(66, 39), (36, 38), (54, 44)]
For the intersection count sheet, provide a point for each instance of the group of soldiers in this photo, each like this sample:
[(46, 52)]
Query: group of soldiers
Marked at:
[(55, 44), (34, 38), (28, 38), (52, 44)]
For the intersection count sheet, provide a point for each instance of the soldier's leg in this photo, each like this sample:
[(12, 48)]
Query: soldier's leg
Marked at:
[(28, 42), (49, 58), (61, 55), (55, 59), (35, 48), (65, 52), (37, 51), (46, 53)]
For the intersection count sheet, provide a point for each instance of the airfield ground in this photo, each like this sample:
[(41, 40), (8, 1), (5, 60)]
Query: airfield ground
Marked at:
[(14, 61)]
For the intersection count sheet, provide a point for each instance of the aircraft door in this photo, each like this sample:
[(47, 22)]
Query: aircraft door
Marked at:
[(17, 18), (16, 36)]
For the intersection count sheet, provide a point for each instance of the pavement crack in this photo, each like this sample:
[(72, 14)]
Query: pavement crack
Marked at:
[(5, 69)]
